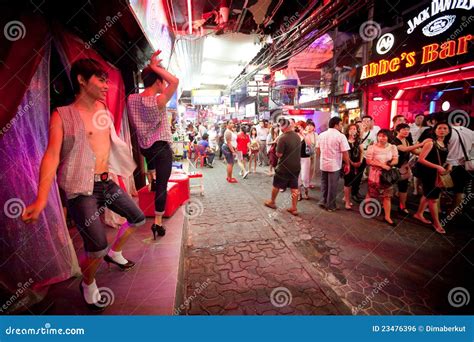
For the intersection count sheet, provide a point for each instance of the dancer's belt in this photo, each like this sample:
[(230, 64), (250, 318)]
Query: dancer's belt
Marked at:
[(103, 177)]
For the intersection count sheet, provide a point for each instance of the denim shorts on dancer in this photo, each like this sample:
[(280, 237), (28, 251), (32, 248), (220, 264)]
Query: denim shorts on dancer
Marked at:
[(285, 181), (86, 212), (229, 156)]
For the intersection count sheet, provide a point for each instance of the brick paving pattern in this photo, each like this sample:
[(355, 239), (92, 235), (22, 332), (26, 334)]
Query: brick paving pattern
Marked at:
[(244, 258)]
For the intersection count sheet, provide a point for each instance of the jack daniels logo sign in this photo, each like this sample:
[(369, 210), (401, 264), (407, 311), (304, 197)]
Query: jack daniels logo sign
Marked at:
[(438, 35)]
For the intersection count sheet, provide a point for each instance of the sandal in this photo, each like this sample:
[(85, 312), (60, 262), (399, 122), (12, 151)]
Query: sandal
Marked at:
[(403, 211), (292, 211), (440, 230), (393, 223), (270, 204), (422, 219)]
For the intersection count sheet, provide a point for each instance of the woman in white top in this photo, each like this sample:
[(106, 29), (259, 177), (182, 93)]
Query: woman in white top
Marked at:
[(254, 147), (312, 138), (306, 152), (381, 156)]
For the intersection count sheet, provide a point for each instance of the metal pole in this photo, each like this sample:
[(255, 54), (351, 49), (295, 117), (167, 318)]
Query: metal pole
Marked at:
[(365, 60), (258, 102), (334, 73)]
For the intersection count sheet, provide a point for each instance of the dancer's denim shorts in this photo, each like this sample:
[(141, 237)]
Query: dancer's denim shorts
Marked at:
[(86, 211)]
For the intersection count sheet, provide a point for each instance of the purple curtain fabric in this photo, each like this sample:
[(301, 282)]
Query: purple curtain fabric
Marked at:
[(36, 255)]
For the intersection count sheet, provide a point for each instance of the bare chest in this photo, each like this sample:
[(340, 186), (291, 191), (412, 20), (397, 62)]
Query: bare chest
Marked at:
[(97, 133)]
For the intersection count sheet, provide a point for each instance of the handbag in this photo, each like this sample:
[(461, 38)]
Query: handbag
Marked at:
[(405, 171), (389, 177), (468, 162), (443, 181), (309, 150)]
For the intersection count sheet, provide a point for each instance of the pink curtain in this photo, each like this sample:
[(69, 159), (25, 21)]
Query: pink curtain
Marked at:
[(36, 255), (20, 60)]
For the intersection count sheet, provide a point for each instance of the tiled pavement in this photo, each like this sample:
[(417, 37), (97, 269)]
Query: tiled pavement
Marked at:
[(244, 258)]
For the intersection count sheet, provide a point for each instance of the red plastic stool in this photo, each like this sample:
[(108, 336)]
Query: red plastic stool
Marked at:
[(146, 201), (183, 182), (173, 200)]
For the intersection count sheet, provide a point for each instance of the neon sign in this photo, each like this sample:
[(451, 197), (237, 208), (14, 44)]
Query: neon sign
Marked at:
[(438, 6), (430, 53)]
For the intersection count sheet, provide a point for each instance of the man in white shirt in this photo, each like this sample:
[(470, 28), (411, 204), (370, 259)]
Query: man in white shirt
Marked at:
[(417, 127), (333, 149), (456, 158), (262, 134), (369, 135)]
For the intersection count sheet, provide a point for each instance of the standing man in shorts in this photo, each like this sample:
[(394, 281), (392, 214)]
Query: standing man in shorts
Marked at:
[(229, 149), (147, 113), (83, 146), (288, 169)]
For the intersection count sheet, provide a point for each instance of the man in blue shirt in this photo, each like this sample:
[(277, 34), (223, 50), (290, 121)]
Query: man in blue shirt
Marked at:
[(203, 148)]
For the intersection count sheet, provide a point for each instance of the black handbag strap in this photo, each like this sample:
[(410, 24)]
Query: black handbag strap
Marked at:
[(435, 145), (368, 133)]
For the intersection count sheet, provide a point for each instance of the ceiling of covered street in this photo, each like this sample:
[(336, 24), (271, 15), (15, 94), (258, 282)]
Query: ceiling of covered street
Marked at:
[(216, 41)]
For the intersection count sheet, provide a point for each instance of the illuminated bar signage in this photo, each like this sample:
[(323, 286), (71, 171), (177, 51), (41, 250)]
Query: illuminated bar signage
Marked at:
[(429, 54), (441, 24)]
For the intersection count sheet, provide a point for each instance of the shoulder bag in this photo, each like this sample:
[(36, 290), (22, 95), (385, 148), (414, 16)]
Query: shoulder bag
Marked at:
[(443, 181)]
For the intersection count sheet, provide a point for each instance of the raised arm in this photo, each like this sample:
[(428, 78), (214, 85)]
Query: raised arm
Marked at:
[(48, 168), (172, 81)]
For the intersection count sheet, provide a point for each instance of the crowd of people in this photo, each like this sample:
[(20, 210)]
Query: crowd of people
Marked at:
[(423, 158), (431, 154)]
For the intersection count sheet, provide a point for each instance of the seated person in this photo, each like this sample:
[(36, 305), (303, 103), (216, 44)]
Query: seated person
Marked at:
[(203, 148)]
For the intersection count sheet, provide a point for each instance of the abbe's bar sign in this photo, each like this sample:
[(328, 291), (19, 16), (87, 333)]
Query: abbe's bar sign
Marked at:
[(430, 53)]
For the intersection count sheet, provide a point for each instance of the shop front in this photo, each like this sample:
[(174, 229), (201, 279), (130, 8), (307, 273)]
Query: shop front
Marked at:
[(424, 66)]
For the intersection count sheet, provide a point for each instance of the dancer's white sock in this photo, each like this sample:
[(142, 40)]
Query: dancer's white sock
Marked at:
[(91, 293), (117, 257)]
